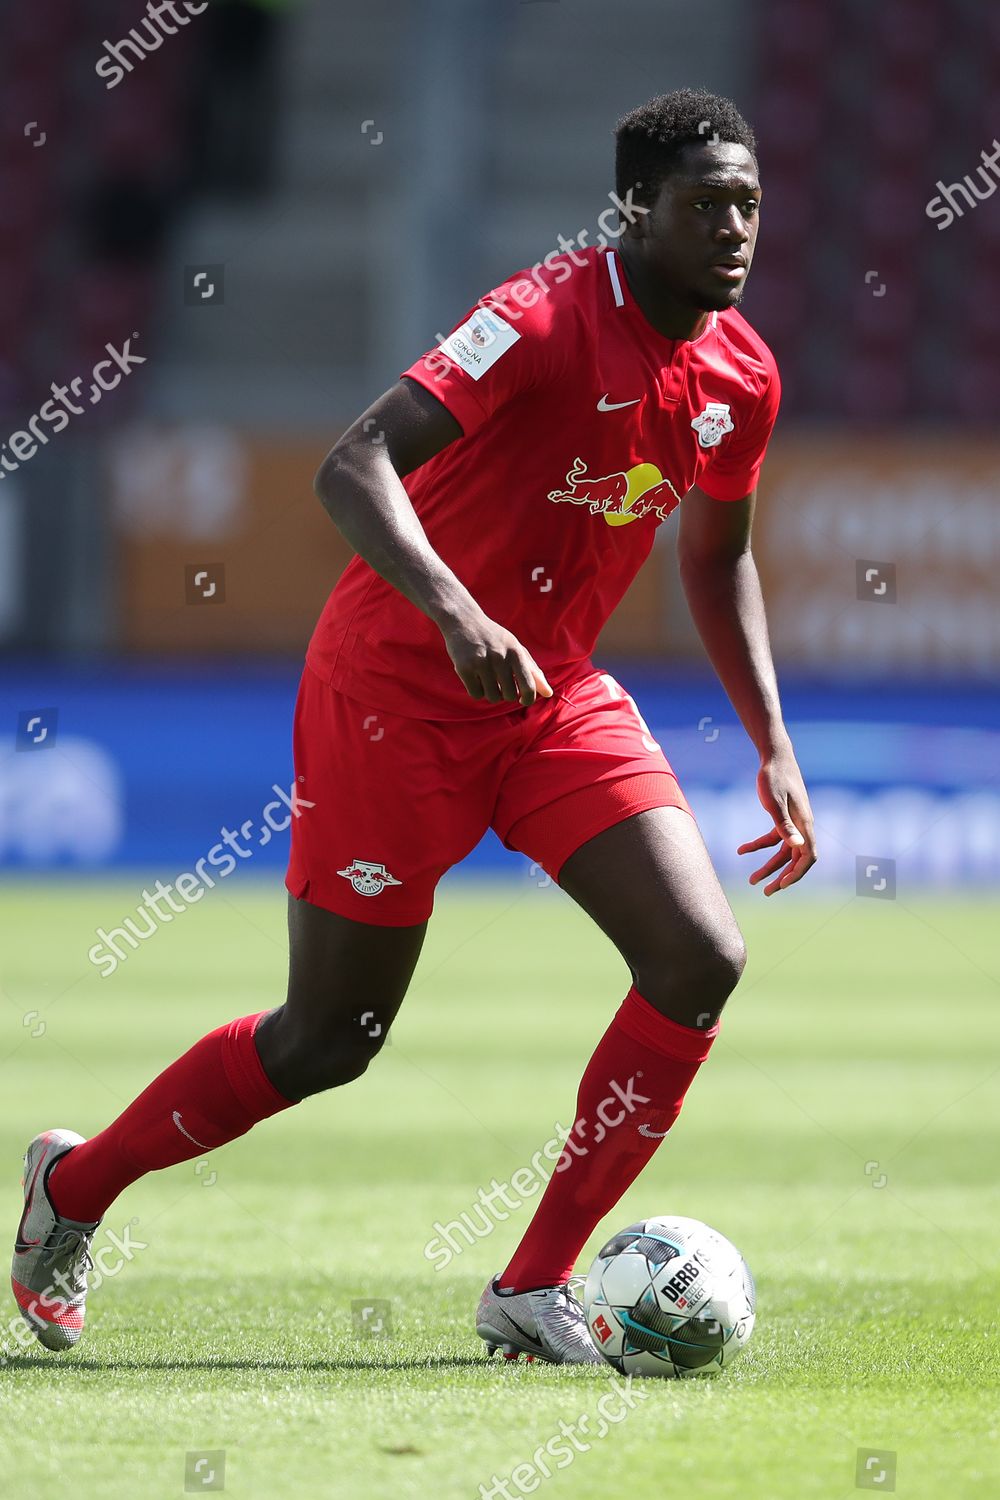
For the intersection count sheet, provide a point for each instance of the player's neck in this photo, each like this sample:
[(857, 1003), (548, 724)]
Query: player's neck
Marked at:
[(671, 318)]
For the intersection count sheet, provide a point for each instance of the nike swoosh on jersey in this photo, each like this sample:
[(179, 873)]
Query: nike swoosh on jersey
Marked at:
[(605, 405), (655, 1135)]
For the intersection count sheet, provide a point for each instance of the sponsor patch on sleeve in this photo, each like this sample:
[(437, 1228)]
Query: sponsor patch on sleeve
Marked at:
[(480, 342)]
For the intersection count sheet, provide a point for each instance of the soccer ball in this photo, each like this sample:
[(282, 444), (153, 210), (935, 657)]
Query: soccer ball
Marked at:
[(669, 1297)]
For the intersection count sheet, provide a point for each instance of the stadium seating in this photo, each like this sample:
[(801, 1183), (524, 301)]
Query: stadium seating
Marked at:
[(880, 333), (59, 208)]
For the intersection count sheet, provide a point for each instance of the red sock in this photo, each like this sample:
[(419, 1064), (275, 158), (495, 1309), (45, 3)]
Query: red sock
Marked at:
[(211, 1095), (643, 1067)]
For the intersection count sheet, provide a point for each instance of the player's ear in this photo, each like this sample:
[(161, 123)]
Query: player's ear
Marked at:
[(635, 224), (635, 210)]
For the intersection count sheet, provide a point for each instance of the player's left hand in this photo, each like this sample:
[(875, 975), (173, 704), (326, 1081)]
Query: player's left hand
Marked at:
[(783, 797)]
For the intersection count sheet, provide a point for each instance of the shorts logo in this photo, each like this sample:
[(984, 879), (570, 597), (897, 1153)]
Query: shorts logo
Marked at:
[(712, 424), (368, 879)]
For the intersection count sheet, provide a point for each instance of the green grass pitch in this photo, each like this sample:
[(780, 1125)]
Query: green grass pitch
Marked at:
[(844, 1135)]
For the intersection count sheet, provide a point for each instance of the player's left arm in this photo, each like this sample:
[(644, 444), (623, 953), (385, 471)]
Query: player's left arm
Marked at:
[(722, 588)]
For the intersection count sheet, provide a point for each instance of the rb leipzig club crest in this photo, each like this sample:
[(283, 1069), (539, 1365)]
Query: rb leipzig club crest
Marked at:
[(712, 424)]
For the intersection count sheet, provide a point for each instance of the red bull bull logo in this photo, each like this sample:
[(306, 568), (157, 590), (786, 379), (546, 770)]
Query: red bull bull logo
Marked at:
[(622, 497)]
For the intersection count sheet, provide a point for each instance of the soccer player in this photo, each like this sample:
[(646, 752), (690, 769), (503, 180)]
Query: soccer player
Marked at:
[(501, 498)]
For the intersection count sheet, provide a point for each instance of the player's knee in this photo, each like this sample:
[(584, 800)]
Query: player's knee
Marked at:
[(714, 966), (327, 1062), (694, 982), (730, 959), (305, 1058)]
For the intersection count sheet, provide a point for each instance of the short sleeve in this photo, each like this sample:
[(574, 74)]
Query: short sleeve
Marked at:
[(734, 472), (505, 345)]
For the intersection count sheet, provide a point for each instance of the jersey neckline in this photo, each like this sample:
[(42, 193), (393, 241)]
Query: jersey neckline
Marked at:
[(622, 296)]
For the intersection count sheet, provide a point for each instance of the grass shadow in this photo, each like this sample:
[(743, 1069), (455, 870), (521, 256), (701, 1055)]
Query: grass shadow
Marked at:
[(40, 1362)]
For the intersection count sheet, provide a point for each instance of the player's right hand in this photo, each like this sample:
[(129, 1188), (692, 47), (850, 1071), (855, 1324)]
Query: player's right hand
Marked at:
[(493, 664)]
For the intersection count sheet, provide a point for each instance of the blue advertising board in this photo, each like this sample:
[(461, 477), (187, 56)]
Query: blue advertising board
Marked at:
[(140, 766)]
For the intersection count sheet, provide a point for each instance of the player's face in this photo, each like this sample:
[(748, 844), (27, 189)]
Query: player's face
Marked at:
[(698, 239)]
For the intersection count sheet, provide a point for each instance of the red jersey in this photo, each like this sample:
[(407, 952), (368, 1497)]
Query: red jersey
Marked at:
[(583, 428)]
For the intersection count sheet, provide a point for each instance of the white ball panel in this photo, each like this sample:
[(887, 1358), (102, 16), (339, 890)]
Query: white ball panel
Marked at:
[(624, 1280)]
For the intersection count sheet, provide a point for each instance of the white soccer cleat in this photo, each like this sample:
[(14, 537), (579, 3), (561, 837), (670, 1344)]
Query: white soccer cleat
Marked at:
[(51, 1255), (547, 1324)]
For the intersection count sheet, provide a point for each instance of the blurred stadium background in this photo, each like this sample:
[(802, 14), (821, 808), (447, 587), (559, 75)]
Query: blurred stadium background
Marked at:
[(282, 203)]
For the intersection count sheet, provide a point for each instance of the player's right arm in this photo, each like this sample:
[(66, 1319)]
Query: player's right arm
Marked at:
[(360, 486)]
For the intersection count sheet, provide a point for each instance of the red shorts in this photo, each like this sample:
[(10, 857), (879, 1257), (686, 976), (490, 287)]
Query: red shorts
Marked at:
[(386, 804)]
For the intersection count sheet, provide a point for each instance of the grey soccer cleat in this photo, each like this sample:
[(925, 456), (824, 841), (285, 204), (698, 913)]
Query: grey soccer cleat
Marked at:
[(547, 1324), (51, 1255)]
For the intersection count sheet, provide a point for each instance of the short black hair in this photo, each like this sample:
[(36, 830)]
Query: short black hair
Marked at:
[(650, 139)]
